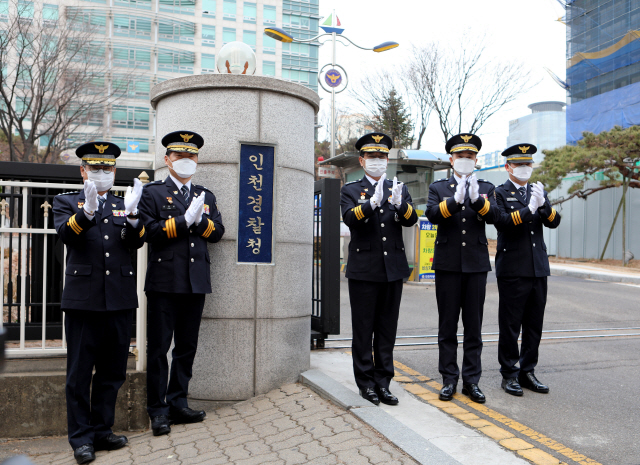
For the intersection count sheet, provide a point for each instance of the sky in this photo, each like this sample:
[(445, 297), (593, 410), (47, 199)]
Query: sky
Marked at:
[(514, 30)]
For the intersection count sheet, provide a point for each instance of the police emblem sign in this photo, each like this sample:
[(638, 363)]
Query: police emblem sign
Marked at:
[(255, 204)]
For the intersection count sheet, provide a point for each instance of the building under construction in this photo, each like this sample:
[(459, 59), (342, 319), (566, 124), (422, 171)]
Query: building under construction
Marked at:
[(603, 65)]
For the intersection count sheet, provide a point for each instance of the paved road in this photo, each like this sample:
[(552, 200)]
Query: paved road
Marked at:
[(593, 406)]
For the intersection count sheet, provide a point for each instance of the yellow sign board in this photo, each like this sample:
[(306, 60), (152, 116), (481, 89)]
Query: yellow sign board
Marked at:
[(428, 234)]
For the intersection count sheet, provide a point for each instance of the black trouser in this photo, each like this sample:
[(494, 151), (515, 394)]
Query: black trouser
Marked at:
[(374, 314), (97, 340), (177, 317), (522, 303), (454, 292)]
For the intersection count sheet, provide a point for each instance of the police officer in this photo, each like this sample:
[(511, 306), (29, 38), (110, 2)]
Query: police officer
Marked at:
[(181, 218), (461, 206), (375, 209), (522, 267), (100, 231)]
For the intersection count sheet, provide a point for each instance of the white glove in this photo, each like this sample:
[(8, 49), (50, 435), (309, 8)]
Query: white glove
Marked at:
[(537, 189), (534, 202), (396, 192), (196, 207), (461, 190), (132, 197), (378, 195), (90, 197), (474, 188)]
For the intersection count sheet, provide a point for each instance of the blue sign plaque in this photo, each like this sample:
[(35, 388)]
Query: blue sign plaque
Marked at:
[(255, 204)]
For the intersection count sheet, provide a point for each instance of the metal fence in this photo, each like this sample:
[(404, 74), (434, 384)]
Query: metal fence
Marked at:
[(325, 313)]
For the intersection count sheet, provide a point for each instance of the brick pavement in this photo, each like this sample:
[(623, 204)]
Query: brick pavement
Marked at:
[(291, 425)]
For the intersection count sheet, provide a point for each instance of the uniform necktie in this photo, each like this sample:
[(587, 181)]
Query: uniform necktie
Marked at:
[(523, 192), (102, 200), (185, 193)]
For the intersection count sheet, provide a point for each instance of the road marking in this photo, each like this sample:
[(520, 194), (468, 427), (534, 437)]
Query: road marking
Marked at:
[(501, 435), (627, 284)]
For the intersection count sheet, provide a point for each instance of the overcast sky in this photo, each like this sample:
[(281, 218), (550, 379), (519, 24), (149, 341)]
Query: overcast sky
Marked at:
[(524, 30)]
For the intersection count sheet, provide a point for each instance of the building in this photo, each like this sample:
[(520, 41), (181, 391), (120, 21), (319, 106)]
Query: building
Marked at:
[(545, 127), (603, 65), (150, 41)]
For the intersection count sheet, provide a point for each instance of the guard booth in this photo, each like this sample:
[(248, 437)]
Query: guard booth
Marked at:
[(416, 169)]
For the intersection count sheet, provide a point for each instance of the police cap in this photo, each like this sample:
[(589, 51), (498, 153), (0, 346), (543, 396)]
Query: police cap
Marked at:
[(98, 153), (183, 141), (520, 153), (374, 142), (463, 142)]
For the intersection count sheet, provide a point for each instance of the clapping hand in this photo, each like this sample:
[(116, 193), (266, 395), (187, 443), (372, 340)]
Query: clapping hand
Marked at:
[(378, 195), (90, 197), (474, 188), (396, 192), (461, 190), (132, 197), (537, 190), (195, 210)]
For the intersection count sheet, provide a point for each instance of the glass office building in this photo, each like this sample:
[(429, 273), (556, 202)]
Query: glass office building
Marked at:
[(149, 41), (603, 65)]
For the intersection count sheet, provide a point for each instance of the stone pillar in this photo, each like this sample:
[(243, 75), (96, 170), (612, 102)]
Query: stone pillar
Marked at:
[(255, 329)]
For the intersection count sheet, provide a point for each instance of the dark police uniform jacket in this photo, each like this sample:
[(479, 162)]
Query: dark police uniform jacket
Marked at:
[(376, 250), (99, 274), (178, 256), (461, 242), (521, 249)]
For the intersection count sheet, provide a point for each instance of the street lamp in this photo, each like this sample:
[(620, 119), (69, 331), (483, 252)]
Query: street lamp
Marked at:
[(331, 28)]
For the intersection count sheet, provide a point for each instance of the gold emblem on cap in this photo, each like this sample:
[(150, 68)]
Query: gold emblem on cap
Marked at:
[(101, 148), (377, 138), (186, 137), (466, 139), (524, 148)]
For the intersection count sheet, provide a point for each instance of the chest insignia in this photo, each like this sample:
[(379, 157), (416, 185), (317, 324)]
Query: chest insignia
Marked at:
[(113, 205), (175, 192), (453, 185), (118, 213), (366, 189), (206, 209), (170, 199), (513, 193), (169, 207), (362, 195), (484, 196), (446, 198), (80, 204)]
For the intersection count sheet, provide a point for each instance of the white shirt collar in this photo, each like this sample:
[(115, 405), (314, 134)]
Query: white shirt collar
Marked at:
[(371, 180), (179, 184), (518, 186)]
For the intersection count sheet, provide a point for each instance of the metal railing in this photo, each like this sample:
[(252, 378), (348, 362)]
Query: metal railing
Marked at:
[(25, 235)]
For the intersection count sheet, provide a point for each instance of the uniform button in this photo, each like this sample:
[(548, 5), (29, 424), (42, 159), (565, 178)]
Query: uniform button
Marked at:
[(464, 232), (382, 225), (108, 272), (192, 244), (464, 244), (464, 220), (75, 271), (159, 259), (504, 250), (106, 220), (106, 238), (192, 260), (384, 238), (385, 253), (512, 207), (381, 210), (107, 255), (130, 272), (463, 207), (534, 244), (532, 233), (357, 250), (169, 216)]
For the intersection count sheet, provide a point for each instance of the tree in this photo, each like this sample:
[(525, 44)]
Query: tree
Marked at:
[(394, 119), (53, 80), (462, 86)]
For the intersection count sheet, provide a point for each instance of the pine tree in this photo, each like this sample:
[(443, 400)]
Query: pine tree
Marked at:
[(394, 119)]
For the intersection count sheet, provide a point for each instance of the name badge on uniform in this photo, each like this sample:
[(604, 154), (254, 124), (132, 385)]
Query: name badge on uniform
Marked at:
[(206, 209), (446, 198), (511, 199), (118, 213), (362, 200)]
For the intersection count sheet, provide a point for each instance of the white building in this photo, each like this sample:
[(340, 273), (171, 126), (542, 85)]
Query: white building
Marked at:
[(545, 127)]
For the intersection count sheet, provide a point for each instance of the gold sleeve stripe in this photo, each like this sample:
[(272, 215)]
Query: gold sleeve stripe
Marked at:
[(553, 215), (407, 215), (516, 217), (485, 209), (74, 225), (210, 228), (444, 210), (170, 227), (358, 212), (173, 227), (142, 231)]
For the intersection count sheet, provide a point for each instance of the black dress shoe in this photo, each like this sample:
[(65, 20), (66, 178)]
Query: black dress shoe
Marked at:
[(386, 397), (84, 454), (530, 381), (447, 392), (511, 386), (110, 442), (186, 415), (473, 392), (160, 425), (370, 395)]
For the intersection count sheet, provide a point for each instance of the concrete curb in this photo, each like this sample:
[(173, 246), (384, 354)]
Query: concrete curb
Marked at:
[(410, 442), (560, 270)]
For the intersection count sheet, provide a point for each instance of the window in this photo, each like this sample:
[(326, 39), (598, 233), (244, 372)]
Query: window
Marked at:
[(174, 31), (131, 58), (296, 21), (175, 61), (185, 7), (25, 9), (268, 45), (130, 117), (268, 68), (209, 8), (228, 35), (302, 77), (140, 4), (249, 12), (269, 15), (249, 38), (50, 13), (208, 64), (131, 26), (208, 36), (132, 87), (4, 10), (229, 9)]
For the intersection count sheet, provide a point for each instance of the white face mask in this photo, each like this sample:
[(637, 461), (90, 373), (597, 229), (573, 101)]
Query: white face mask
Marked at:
[(464, 166), (102, 180), (523, 173), (375, 167), (185, 167)]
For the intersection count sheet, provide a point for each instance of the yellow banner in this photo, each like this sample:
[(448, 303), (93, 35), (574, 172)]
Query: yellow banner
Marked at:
[(428, 234)]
